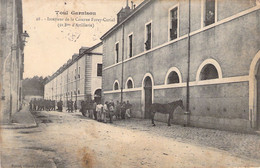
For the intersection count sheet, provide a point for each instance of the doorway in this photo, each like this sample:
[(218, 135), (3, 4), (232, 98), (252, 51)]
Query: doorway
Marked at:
[(147, 96), (97, 96)]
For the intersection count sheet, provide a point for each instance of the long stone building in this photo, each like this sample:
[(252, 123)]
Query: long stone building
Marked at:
[(78, 79), (11, 58), (205, 53)]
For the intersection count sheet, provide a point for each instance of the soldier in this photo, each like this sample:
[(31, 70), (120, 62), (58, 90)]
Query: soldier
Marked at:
[(71, 106), (111, 111), (118, 110), (128, 109), (61, 105), (94, 110), (75, 106), (31, 105), (68, 106), (123, 110), (83, 108)]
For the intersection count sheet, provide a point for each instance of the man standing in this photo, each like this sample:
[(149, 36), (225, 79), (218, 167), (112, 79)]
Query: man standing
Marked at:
[(128, 109), (94, 110)]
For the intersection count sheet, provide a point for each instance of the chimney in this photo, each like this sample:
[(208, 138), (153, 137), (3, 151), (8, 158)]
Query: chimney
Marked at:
[(132, 5), (74, 56), (82, 49), (123, 13)]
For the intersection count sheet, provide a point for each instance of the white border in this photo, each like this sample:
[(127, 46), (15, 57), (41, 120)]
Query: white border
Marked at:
[(253, 90), (169, 21), (116, 81), (209, 61), (235, 79), (129, 78), (143, 91), (173, 69), (145, 34)]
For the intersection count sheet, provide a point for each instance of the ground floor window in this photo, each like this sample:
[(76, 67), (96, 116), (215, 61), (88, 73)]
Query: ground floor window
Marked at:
[(209, 71)]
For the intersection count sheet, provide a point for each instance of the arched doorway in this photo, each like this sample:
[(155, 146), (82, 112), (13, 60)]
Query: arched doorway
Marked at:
[(258, 96), (97, 96), (147, 96)]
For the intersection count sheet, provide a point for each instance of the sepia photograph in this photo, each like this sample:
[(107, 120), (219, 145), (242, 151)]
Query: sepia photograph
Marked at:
[(129, 83)]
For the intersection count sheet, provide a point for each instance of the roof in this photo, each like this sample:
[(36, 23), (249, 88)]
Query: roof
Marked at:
[(71, 61), (137, 9)]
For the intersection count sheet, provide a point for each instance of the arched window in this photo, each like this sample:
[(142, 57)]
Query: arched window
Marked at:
[(129, 84), (209, 71), (116, 85), (173, 78)]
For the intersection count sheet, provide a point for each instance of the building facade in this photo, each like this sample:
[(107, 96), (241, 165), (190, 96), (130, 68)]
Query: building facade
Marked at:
[(205, 53), (78, 79), (11, 58)]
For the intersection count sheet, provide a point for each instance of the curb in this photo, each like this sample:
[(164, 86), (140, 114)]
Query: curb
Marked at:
[(18, 126)]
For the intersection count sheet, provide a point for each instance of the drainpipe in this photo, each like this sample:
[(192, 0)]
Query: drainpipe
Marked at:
[(187, 113), (122, 74)]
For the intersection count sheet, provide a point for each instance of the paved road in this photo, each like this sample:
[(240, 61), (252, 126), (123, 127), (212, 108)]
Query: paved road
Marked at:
[(71, 140)]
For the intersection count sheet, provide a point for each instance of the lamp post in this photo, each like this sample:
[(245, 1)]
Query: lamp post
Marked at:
[(24, 35)]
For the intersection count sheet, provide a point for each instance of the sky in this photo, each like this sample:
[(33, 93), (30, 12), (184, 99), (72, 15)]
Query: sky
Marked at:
[(51, 44)]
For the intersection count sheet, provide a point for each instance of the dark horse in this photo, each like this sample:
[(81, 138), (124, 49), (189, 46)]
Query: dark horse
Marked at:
[(165, 109)]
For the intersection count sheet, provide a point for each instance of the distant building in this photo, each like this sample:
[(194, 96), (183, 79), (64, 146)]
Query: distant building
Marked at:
[(78, 79), (11, 58), (146, 60)]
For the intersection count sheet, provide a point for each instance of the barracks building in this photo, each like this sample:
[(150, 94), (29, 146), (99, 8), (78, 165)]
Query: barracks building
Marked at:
[(205, 52), (12, 42), (78, 79)]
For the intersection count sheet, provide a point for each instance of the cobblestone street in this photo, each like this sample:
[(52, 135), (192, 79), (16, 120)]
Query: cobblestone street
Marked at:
[(71, 140), (238, 144)]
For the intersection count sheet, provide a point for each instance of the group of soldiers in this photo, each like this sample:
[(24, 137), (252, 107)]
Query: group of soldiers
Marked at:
[(89, 108), (42, 104), (101, 112), (71, 106)]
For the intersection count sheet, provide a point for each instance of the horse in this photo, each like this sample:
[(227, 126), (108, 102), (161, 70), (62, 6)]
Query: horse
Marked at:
[(168, 108)]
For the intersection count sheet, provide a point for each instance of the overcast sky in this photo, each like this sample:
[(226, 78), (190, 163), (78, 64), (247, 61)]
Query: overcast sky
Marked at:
[(50, 46)]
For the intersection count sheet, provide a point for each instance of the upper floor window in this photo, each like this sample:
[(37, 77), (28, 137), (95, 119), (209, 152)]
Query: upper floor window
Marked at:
[(75, 71), (130, 39), (79, 72), (148, 39), (99, 69), (117, 52), (173, 23), (209, 71), (210, 12)]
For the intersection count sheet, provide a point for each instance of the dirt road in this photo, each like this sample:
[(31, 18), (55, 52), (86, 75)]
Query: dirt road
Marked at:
[(70, 140)]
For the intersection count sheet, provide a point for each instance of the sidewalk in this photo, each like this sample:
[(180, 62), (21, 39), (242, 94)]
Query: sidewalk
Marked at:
[(22, 119)]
